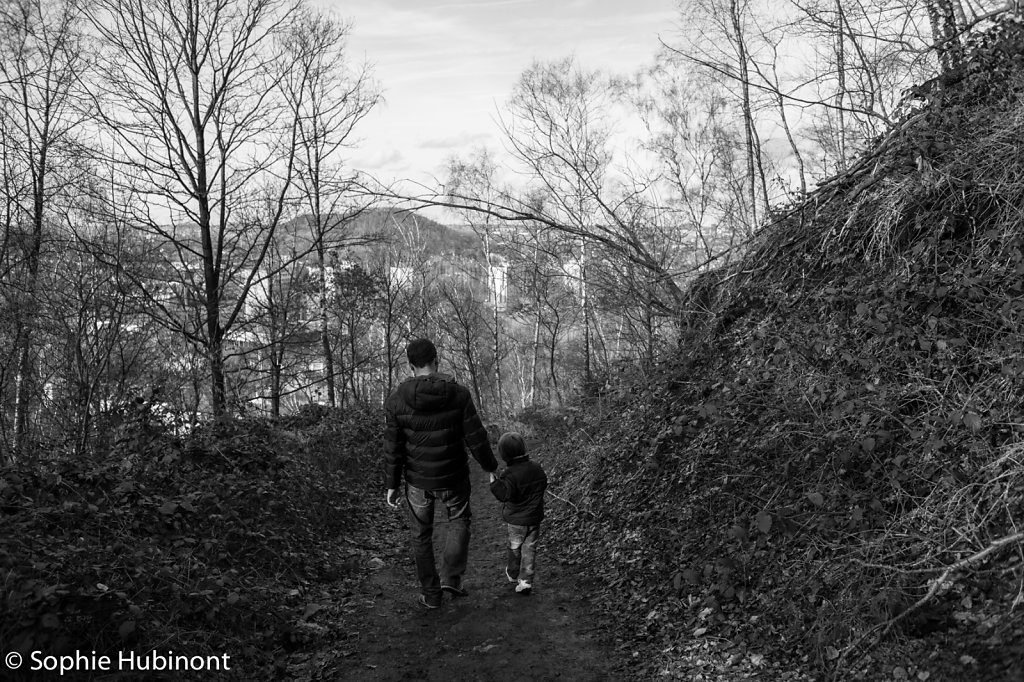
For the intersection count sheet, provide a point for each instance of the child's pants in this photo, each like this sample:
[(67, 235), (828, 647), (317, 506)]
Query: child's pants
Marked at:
[(522, 551)]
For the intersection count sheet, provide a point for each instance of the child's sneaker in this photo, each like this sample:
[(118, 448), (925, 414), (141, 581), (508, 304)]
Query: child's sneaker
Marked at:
[(523, 586), (509, 576)]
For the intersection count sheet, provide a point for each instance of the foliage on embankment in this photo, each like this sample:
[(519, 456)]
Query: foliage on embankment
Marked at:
[(217, 543), (829, 477)]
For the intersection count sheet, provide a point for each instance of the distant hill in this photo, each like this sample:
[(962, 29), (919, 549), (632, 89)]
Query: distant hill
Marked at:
[(374, 226), (381, 225)]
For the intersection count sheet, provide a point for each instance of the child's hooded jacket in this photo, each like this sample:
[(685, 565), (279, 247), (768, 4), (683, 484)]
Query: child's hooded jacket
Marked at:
[(521, 487)]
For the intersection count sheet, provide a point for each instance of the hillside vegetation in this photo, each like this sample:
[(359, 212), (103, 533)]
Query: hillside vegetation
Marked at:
[(229, 540), (828, 478)]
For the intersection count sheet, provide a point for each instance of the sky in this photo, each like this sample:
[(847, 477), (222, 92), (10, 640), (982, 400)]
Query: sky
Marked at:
[(446, 68)]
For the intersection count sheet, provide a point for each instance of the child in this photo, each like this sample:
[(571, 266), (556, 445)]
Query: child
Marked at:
[(521, 487)]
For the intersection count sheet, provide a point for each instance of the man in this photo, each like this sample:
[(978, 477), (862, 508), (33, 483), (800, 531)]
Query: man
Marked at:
[(429, 421)]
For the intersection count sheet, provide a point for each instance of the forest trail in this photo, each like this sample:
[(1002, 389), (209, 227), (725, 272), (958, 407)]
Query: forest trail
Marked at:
[(492, 634)]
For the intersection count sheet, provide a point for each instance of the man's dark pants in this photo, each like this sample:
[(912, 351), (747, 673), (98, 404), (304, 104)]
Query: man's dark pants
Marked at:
[(420, 505)]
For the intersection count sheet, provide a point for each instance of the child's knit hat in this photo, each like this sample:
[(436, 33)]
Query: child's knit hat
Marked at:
[(511, 447)]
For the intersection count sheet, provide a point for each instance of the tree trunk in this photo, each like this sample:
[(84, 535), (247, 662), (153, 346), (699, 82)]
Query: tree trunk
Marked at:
[(22, 395), (275, 383), (801, 170), (497, 356), (534, 364), (325, 338), (551, 367), (841, 91), (211, 273), (218, 395), (355, 361), (342, 371), (496, 338), (748, 116), (586, 316), (946, 32), (23, 385), (536, 358), (389, 332), (762, 176), (468, 341)]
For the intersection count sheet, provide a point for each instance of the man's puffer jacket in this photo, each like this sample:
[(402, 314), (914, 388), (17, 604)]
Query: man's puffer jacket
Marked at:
[(521, 487), (427, 421)]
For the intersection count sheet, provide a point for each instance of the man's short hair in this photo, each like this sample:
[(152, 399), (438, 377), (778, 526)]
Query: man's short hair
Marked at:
[(421, 352)]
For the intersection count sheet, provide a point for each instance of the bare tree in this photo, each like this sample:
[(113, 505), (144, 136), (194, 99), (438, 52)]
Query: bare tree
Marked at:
[(737, 35), (462, 319), (107, 345), (477, 177), (698, 165), (328, 97), (42, 59), (866, 54), (721, 40), (556, 129), (396, 278), (358, 299), (190, 95), (278, 325)]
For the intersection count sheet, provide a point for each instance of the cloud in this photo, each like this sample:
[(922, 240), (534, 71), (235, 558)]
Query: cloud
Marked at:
[(485, 4), (380, 159), (452, 142), (447, 69), (388, 20)]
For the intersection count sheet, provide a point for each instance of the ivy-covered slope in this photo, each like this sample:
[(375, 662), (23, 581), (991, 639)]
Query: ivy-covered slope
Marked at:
[(225, 542), (828, 479)]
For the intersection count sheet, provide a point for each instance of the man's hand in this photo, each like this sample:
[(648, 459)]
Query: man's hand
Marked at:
[(392, 498), (493, 477)]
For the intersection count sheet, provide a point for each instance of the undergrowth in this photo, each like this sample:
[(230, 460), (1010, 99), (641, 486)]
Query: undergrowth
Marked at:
[(215, 543)]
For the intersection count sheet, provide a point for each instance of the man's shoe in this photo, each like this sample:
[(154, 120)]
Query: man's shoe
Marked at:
[(524, 587), (455, 589), (509, 576), (431, 601)]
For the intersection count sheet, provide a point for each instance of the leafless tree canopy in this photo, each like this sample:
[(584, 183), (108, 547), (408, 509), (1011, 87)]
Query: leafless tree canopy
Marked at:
[(181, 219)]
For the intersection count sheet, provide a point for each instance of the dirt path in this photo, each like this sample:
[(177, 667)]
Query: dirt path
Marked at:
[(493, 634)]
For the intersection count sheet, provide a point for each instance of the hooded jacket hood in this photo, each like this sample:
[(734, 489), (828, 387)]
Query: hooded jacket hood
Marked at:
[(428, 393)]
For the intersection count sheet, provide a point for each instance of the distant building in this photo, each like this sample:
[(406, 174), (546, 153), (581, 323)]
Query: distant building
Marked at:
[(400, 276), (497, 282), (573, 275)]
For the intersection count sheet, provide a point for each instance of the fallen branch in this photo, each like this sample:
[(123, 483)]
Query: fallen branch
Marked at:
[(937, 584), (578, 510), (887, 626)]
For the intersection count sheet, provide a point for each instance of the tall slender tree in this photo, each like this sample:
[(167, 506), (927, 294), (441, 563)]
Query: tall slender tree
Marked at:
[(42, 61), (328, 97), (477, 177)]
